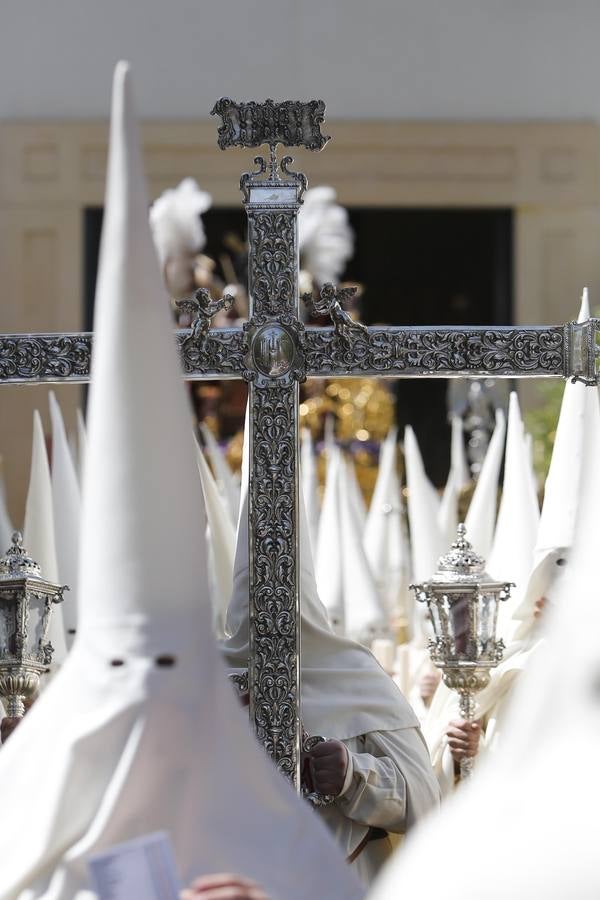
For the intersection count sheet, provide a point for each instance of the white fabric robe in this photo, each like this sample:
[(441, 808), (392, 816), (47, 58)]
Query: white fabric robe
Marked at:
[(347, 696), (389, 787), (139, 731)]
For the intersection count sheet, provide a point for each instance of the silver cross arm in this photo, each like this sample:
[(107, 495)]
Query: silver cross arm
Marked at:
[(559, 351)]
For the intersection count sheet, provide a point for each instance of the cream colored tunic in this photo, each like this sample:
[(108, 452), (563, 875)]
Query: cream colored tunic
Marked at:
[(391, 785)]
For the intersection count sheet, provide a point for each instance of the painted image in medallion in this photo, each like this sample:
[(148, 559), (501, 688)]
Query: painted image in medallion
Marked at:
[(273, 351)]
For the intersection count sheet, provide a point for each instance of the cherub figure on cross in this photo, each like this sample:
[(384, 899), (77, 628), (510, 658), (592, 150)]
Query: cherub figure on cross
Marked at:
[(202, 308), (329, 303)]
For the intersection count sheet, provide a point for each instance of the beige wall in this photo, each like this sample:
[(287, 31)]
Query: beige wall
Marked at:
[(50, 171)]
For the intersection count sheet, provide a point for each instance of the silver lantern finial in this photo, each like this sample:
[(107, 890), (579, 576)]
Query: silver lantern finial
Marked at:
[(26, 601), (463, 605)]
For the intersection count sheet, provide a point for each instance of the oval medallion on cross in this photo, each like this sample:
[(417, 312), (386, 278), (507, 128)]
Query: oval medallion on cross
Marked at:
[(273, 351)]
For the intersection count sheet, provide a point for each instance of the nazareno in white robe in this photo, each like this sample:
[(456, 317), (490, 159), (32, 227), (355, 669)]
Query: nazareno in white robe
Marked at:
[(346, 695), (553, 548), (527, 836), (140, 731)]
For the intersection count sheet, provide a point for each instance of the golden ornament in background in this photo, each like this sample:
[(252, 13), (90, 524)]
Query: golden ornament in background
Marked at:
[(234, 451), (363, 408), (362, 411)]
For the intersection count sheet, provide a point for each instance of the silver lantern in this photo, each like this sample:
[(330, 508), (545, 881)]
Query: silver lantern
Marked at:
[(26, 601), (463, 605)]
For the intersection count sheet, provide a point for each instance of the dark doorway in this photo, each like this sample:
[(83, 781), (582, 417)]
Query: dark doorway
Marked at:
[(432, 267), (419, 267)]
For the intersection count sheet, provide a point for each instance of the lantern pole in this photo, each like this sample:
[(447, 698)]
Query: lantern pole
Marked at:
[(463, 606)]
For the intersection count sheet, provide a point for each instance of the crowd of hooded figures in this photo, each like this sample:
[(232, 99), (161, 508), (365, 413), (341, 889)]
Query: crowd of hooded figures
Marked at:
[(137, 727)]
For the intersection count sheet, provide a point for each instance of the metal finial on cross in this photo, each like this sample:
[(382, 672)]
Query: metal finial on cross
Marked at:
[(274, 352)]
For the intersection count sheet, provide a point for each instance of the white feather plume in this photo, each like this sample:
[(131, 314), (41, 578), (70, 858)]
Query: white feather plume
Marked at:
[(325, 237), (175, 220)]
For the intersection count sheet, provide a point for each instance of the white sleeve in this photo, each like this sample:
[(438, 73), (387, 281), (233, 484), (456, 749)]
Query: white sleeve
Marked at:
[(392, 784), (348, 777)]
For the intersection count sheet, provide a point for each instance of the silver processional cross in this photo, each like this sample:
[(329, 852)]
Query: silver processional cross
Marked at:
[(274, 352)]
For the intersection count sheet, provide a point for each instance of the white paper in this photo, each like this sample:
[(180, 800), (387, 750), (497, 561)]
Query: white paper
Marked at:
[(143, 869)]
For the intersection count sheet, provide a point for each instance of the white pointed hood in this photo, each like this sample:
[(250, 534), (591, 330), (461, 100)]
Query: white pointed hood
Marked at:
[(426, 540), (561, 490), (481, 517), (329, 432), (458, 456), (561, 493), (355, 497), (447, 519), (38, 533), (329, 574), (511, 557), (537, 837), (66, 507), (6, 528), (385, 541), (140, 730), (310, 486), (458, 478), (364, 614), (531, 468), (345, 582), (222, 544), (81, 445), (345, 692), (228, 488)]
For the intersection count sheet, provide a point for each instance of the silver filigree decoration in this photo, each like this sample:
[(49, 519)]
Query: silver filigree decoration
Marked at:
[(274, 612), (55, 358), (45, 357), (272, 236), (395, 351), (221, 356), (405, 352), (293, 123)]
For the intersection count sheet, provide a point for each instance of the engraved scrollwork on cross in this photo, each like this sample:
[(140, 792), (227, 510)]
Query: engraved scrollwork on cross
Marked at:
[(55, 358), (438, 351), (272, 266), (221, 356), (293, 123), (45, 357), (274, 657)]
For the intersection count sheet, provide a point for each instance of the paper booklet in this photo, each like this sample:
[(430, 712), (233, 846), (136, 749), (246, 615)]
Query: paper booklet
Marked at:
[(143, 869)]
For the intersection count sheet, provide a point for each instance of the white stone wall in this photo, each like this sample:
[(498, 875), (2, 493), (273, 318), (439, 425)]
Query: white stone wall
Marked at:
[(437, 59)]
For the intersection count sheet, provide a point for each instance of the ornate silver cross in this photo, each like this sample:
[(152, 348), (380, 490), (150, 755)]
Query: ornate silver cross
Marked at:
[(274, 352)]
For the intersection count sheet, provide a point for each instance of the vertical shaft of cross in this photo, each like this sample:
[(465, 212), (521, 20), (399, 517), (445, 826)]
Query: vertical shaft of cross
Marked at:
[(274, 605)]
